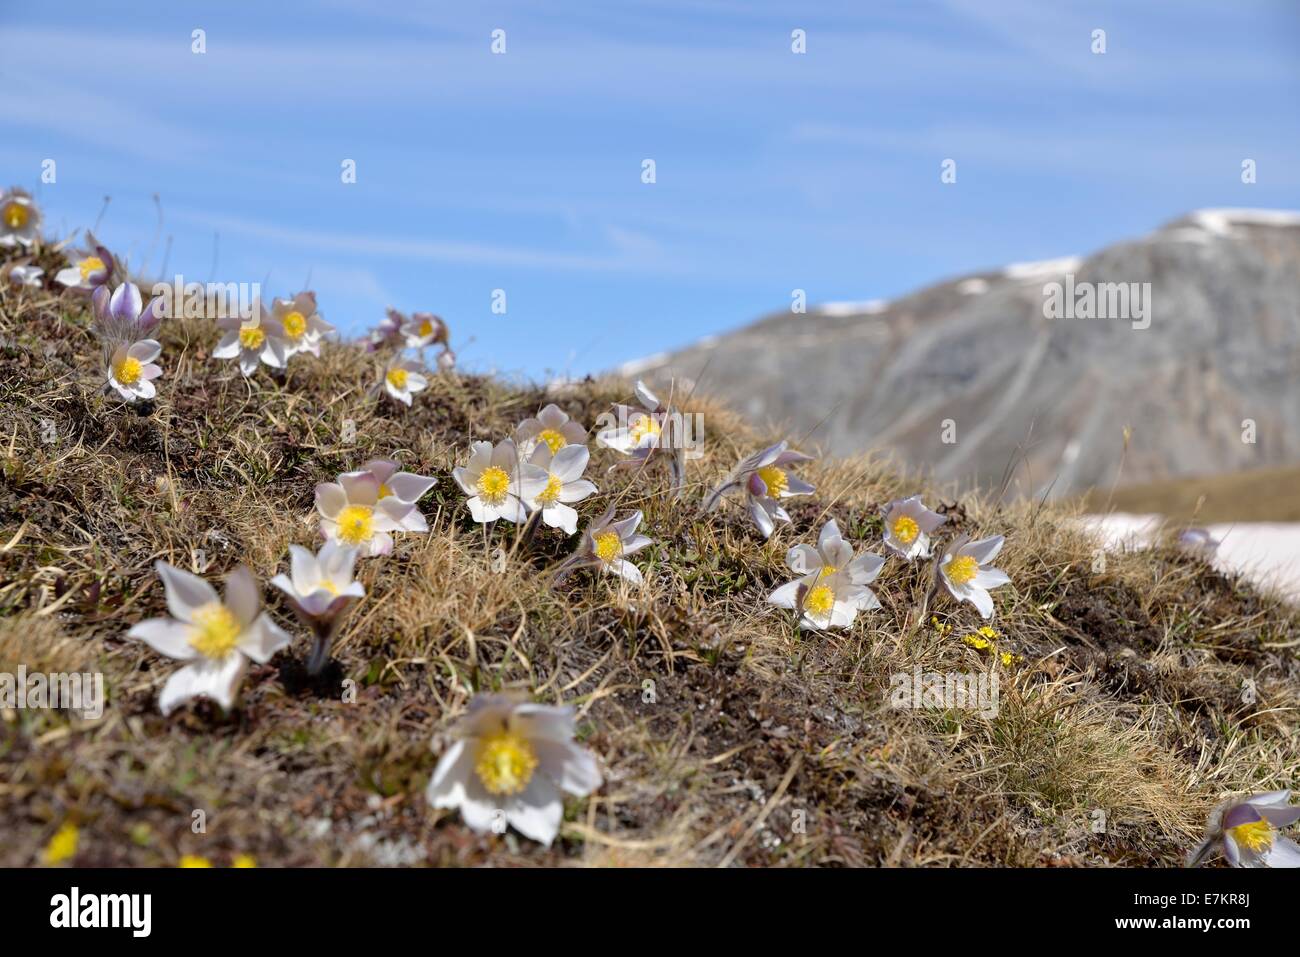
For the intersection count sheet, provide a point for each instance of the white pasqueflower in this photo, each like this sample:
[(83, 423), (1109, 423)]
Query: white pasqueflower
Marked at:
[(122, 317), (908, 525), (299, 323), (252, 340), (320, 588), (423, 329), (446, 359), (24, 276), (217, 638), (606, 545), (832, 585), (87, 273), (560, 483), (655, 431), (353, 513), (20, 218), (640, 429), (1246, 831), (512, 762), (765, 476), (388, 333), (131, 369), (406, 488), (403, 378), (494, 480), (964, 571), (552, 427)]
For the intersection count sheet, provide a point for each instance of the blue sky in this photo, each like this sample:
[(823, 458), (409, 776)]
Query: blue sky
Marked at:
[(522, 171)]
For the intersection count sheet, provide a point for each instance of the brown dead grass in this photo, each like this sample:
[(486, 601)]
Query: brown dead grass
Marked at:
[(728, 737)]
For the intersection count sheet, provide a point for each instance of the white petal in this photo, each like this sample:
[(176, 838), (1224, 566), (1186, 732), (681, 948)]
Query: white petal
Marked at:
[(185, 592), (262, 639), (537, 812), (787, 595), (330, 499), (167, 636), (207, 679)]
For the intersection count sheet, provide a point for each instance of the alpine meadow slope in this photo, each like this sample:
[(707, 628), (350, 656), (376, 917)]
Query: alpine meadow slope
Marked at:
[(725, 734)]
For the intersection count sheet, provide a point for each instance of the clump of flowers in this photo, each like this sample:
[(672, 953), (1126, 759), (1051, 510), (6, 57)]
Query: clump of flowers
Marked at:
[(552, 427), (512, 762), (765, 478), (353, 513), (908, 524), (964, 571), (20, 218), (986, 639), (403, 378), (495, 479), (299, 324), (88, 272), (1247, 830), (215, 638), (645, 434), (321, 589), (423, 329), (252, 341), (832, 585), (606, 545)]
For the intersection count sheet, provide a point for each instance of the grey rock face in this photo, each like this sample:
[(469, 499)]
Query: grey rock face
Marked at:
[(1052, 395)]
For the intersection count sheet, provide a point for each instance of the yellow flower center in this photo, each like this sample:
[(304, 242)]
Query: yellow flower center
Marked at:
[(820, 601), (295, 324), (88, 265), (384, 490), (251, 337), (551, 494), (906, 529), (775, 480), (961, 569), (492, 485), (16, 215), (1256, 836), (552, 438), (506, 762), (327, 584), (643, 426), (356, 524), (397, 378), (426, 328), (215, 631), (608, 546), (827, 571), (127, 370)]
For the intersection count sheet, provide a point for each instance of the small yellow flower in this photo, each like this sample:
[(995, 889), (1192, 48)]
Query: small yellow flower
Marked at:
[(943, 628), (63, 845), (989, 632), (244, 860), (193, 860), (978, 642)]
